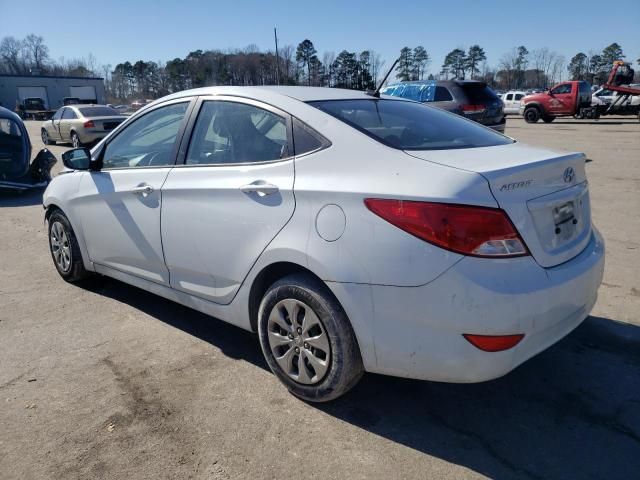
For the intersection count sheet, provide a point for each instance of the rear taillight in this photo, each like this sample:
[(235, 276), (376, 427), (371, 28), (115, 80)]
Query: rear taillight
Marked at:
[(472, 108), (469, 230), (89, 124), (493, 343)]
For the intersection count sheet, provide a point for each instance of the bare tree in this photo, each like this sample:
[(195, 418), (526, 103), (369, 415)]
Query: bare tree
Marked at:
[(10, 51), (36, 51)]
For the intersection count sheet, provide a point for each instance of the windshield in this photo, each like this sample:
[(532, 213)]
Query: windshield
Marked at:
[(411, 126), (90, 112)]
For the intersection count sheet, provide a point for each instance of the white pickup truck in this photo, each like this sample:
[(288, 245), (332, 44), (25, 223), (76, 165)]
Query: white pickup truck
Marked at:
[(511, 101)]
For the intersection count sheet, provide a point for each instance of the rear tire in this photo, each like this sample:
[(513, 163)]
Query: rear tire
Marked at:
[(531, 115), (307, 339), (75, 140), (64, 248)]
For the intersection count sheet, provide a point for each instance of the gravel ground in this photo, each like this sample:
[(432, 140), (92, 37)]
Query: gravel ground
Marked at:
[(108, 381)]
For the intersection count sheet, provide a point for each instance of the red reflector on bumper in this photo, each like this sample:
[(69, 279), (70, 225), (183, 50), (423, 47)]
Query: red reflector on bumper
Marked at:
[(493, 343)]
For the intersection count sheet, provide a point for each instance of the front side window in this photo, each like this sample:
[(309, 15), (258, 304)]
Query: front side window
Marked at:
[(229, 132), (147, 141), (58, 114), (509, 96), (410, 126), (564, 88)]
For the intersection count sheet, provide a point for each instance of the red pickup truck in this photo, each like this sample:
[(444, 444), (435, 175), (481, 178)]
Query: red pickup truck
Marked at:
[(562, 100)]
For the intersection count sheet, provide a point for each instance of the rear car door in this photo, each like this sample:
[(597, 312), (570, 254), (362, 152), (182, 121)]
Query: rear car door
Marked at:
[(230, 197), (65, 123), (119, 206)]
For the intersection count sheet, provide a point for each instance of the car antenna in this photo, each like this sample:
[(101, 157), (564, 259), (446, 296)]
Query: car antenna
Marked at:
[(376, 92)]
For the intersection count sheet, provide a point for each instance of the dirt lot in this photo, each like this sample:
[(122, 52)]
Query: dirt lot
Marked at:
[(112, 382)]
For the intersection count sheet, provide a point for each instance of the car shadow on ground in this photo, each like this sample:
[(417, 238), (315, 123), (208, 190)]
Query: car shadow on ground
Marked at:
[(21, 199), (571, 412), (593, 122)]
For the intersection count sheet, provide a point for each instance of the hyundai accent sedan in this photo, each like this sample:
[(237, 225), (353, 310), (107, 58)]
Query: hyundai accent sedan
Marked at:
[(352, 233)]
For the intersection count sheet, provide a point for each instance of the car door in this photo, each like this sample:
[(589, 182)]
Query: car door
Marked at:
[(119, 205), (230, 197), (562, 100), (508, 103), (64, 124), (53, 125)]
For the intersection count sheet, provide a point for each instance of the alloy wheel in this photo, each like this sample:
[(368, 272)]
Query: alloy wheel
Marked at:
[(298, 341), (60, 246), (45, 137), (75, 140)]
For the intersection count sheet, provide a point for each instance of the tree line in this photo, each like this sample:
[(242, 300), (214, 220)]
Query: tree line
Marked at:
[(302, 65)]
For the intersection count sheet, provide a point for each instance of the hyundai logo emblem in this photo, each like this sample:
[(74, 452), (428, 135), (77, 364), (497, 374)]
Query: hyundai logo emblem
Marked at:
[(568, 175)]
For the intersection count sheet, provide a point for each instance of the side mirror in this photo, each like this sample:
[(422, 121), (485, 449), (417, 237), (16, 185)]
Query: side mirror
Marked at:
[(77, 159)]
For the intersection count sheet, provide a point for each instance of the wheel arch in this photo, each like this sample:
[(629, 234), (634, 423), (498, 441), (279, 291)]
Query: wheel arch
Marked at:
[(267, 277)]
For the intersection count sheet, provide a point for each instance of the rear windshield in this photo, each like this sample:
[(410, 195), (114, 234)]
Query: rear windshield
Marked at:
[(478, 92), (98, 112), (411, 126)]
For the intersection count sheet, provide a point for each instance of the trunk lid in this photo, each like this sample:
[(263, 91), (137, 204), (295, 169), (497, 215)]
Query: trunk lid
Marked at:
[(107, 123), (545, 194)]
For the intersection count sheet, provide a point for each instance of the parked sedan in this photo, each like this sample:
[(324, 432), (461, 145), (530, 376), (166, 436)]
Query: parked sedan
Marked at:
[(352, 233), (80, 124), (469, 98)]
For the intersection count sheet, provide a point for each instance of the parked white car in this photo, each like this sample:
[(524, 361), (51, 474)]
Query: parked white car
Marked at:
[(604, 96), (352, 233), (511, 101)]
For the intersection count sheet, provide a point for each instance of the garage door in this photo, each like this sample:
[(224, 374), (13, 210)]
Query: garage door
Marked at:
[(34, 92), (86, 94)]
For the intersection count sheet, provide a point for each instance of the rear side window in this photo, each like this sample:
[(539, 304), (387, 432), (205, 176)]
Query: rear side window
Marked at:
[(442, 95), (305, 139), (519, 96), (478, 92), (229, 132), (410, 126), (69, 114)]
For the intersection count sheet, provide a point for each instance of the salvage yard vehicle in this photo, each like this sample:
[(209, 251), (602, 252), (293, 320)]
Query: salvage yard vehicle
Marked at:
[(353, 233), (16, 173), (80, 124), (468, 98), (33, 108), (562, 100)]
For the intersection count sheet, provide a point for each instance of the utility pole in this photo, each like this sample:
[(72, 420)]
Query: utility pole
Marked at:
[(275, 34)]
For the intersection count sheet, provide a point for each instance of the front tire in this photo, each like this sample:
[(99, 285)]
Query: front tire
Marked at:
[(45, 138), (307, 339), (64, 248), (75, 140), (531, 115)]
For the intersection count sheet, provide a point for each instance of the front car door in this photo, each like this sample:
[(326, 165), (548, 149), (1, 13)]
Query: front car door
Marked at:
[(562, 100), (230, 197), (119, 206)]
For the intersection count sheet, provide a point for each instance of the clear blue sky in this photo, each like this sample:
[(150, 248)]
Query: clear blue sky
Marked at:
[(116, 31)]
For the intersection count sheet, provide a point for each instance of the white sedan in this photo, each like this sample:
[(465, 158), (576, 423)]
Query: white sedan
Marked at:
[(352, 233)]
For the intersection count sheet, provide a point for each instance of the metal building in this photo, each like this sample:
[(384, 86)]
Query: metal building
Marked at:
[(51, 89)]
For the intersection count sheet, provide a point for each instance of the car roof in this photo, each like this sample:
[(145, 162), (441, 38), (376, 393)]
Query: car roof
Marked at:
[(304, 94)]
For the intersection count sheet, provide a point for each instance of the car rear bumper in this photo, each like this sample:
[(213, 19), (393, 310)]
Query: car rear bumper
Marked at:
[(498, 126), (417, 331), (90, 136)]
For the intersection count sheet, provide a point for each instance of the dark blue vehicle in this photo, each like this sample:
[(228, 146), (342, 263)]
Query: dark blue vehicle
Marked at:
[(469, 98), (16, 173)]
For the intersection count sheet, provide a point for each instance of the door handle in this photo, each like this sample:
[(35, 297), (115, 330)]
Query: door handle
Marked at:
[(260, 187), (144, 190)]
